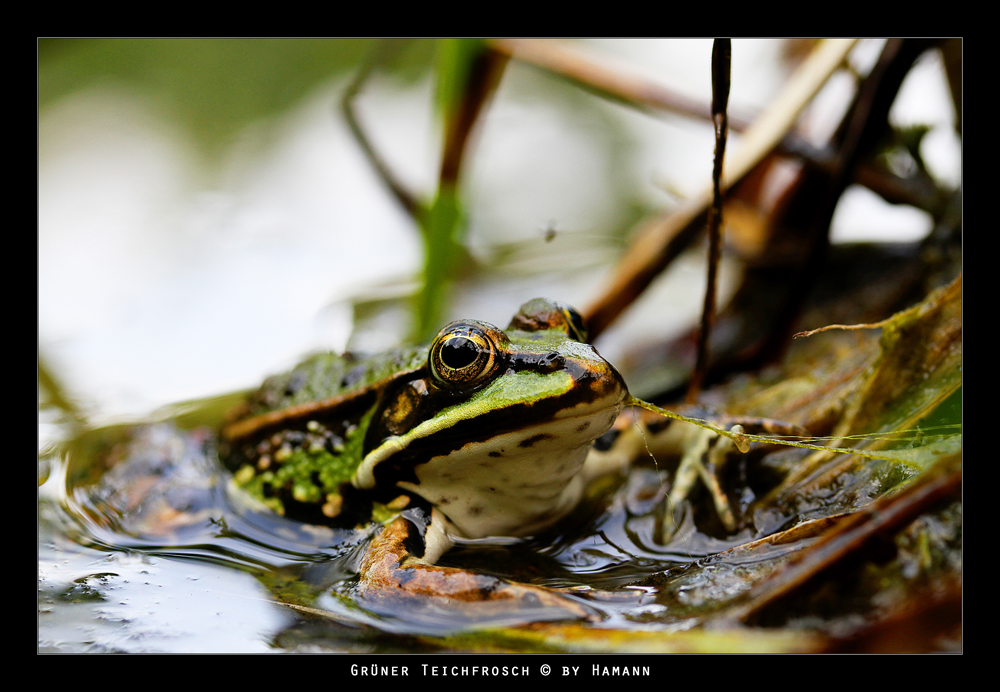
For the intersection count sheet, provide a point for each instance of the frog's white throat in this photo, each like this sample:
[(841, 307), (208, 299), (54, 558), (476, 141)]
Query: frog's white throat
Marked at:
[(516, 483)]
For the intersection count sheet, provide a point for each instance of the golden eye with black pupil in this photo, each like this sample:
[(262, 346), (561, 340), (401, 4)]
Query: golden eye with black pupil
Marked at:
[(467, 355)]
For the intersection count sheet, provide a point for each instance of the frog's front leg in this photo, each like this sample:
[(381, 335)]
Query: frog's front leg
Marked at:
[(437, 537), (393, 578)]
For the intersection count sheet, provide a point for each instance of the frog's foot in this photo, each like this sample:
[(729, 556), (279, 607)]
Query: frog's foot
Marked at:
[(705, 454), (703, 459), (394, 581)]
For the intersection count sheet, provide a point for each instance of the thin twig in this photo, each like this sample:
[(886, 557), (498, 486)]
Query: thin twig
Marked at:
[(485, 73), (722, 55), (383, 52)]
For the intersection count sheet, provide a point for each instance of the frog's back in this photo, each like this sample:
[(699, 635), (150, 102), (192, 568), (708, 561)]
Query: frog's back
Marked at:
[(326, 376), (296, 441)]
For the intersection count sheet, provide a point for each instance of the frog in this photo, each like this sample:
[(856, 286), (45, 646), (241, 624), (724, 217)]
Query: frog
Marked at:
[(484, 432)]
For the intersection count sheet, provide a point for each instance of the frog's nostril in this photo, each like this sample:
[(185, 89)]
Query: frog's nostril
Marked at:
[(551, 362)]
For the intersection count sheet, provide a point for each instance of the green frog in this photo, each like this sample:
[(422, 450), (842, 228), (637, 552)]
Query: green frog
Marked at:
[(487, 431)]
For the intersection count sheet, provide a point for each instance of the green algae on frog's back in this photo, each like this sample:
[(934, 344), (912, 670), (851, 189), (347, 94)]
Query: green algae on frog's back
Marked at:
[(303, 430)]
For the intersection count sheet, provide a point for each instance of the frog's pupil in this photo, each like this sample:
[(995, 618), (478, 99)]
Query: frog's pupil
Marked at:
[(459, 352)]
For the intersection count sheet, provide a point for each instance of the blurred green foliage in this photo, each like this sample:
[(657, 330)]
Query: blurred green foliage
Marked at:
[(213, 86)]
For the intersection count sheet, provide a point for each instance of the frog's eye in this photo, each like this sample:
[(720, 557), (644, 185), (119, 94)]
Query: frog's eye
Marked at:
[(467, 355)]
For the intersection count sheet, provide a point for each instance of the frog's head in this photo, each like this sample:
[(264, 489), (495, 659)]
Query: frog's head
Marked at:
[(494, 431)]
